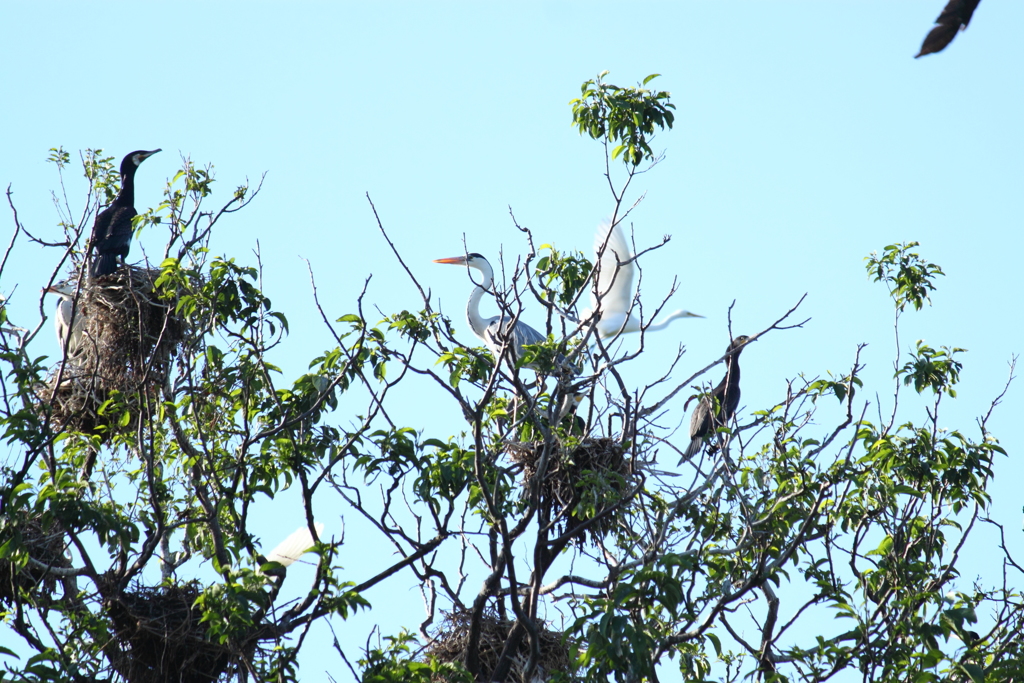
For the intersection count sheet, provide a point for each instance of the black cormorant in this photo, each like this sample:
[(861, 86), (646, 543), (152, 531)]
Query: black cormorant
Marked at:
[(726, 396), (112, 231)]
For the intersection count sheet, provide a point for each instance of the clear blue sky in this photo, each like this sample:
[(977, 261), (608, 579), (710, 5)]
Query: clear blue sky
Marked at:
[(806, 137)]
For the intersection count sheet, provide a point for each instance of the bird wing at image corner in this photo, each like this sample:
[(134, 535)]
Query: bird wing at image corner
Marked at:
[(295, 546)]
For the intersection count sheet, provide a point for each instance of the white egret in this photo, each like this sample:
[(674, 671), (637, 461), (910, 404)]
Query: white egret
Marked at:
[(704, 421), (611, 293), (295, 546)]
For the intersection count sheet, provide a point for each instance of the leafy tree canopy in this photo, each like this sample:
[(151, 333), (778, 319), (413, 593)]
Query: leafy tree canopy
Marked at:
[(808, 538)]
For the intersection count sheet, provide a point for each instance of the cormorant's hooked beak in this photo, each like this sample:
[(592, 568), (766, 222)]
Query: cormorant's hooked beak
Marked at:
[(452, 260)]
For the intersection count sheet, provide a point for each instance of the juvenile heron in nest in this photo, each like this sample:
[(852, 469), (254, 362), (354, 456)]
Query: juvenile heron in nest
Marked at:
[(112, 231), (611, 295), (717, 408), (62, 321)]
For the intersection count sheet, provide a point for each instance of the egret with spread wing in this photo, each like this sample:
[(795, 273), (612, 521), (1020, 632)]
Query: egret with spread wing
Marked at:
[(611, 294), (112, 231), (717, 408), (62, 321), (299, 543)]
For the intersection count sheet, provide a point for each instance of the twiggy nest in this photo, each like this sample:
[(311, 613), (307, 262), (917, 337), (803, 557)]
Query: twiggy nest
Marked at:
[(158, 637), (578, 485), (47, 546), (129, 338), (452, 638)]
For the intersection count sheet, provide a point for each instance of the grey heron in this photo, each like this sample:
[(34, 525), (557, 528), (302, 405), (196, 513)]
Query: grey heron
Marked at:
[(498, 331), (62, 319), (112, 231)]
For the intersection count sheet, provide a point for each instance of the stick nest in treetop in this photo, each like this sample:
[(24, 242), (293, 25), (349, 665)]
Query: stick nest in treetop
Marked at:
[(580, 483), (129, 338), (452, 636), (46, 545), (158, 636)]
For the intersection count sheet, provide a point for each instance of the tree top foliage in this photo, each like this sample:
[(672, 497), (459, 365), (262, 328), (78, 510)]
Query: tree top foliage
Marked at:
[(805, 539)]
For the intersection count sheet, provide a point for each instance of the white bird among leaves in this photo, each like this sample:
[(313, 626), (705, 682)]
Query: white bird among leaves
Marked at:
[(295, 546), (611, 293)]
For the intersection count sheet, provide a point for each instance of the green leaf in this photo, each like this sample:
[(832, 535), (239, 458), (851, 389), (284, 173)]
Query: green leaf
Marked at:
[(976, 673)]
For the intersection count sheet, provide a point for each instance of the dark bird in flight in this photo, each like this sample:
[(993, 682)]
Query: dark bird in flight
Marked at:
[(954, 18), (717, 408), (112, 231)]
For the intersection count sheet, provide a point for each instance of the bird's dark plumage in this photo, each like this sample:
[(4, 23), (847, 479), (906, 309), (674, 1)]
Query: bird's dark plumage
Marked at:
[(726, 397), (112, 231), (954, 18)]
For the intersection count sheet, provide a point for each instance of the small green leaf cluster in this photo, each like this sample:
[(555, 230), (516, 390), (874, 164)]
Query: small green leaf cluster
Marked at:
[(840, 388), (544, 356), (618, 635), (561, 276), (101, 174), (627, 116), (228, 606), (908, 276), (463, 364), (938, 369), (417, 327), (394, 663)]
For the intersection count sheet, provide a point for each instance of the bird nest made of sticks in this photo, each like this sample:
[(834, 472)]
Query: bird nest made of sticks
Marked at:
[(158, 636), (581, 482), (129, 337), (452, 638), (47, 546)]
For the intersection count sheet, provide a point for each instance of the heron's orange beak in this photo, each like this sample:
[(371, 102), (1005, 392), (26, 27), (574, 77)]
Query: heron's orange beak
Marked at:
[(453, 260)]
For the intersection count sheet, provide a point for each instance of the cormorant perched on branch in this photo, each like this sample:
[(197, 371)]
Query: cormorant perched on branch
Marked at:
[(954, 18), (716, 409), (112, 231)]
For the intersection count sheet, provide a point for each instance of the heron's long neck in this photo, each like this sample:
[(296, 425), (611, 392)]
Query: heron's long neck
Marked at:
[(477, 323)]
